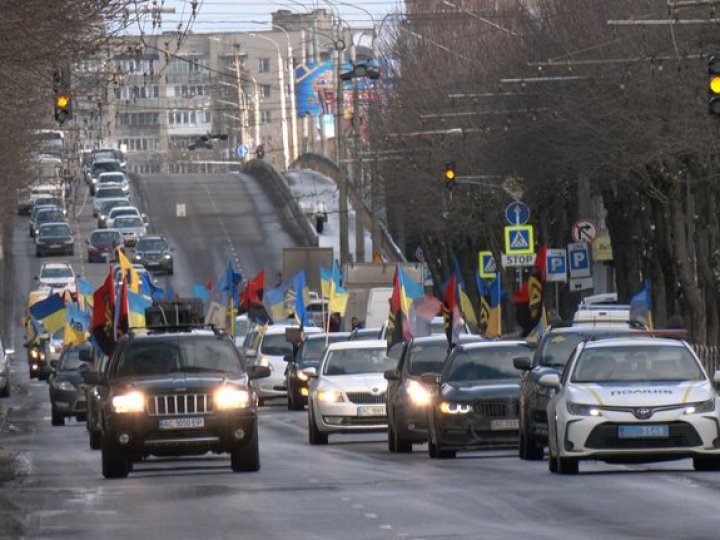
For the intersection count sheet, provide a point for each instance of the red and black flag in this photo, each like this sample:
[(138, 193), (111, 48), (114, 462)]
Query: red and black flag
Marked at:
[(528, 299), (449, 307), (103, 315), (251, 299), (395, 314)]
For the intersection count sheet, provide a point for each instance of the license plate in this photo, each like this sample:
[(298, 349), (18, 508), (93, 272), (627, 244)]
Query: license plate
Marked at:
[(504, 424), (372, 410), (182, 423), (54, 246), (649, 431)]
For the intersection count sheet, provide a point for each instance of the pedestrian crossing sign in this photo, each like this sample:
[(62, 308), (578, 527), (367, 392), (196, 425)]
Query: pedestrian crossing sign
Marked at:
[(519, 240), (486, 265)]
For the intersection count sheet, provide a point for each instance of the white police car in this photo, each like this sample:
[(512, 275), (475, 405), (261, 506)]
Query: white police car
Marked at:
[(631, 400)]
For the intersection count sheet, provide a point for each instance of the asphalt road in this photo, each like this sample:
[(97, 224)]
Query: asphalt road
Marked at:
[(51, 485)]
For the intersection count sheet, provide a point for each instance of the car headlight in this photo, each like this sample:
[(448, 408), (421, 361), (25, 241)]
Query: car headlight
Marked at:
[(34, 353), (701, 407), (132, 402), (53, 349), (449, 407), (419, 395), (167, 256), (330, 396), (579, 409), (302, 376), (227, 398), (137, 257), (64, 385)]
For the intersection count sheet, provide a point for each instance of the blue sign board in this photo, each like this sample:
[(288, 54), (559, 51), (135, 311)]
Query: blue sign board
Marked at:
[(242, 150), (517, 213), (579, 260), (556, 265)]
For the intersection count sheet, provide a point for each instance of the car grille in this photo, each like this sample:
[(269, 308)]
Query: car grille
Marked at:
[(366, 398), (179, 404), (497, 409), (605, 437)]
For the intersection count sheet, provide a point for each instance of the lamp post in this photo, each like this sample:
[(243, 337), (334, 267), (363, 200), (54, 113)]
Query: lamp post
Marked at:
[(291, 84)]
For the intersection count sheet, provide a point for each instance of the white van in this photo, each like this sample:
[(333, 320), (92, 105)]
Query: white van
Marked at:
[(378, 306)]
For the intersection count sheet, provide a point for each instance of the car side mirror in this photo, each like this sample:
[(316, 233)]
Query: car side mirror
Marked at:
[(92, 378), (550, 380), (716, 378), (251, 354), (258, 372), (311, 372), (431, 379), (523, 363), (391, 375)]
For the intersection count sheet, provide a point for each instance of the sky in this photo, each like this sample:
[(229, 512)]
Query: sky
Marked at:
[(228, 15)]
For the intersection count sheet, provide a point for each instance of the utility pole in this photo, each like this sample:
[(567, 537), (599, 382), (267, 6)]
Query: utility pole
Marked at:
[(321, 116), (340, 148), (240, 96), (357, 166)]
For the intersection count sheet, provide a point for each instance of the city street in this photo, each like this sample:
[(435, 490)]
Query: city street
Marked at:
[(352, 489)]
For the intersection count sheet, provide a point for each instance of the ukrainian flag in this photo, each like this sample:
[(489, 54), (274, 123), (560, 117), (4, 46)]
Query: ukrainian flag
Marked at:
[(326, 279), (50, 312), (131, 275), (409, 290), (494, 327), (136, 307), (338, 299), (85, 294), (77, 326)]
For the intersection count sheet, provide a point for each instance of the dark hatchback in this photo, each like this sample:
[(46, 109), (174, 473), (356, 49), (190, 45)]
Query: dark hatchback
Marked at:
[(407, 396), (67, 390), (102, 243), (154, 253), (309, 354), (54, 238), (475, 404), (551, 355), (177, 393)]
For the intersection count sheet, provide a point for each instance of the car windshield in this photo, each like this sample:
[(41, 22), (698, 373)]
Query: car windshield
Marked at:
[(117, 212), (481, 364), (275, 345), (154, 244), (636, 363), (427, 357), (158, 356), (108, 192), (70, 360), (100, 237), (54, 201), (128, 221), (47, 216), (57, 272), (54, 230), (106, 166), (557, 348), (106, 207), (354, 361), (312, 350)]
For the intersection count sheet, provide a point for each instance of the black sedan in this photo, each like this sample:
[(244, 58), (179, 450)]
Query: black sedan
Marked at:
[(407, 397), (309, 354), (54, 238), (475, 404), (67, 394), (154, 253), (102, 243)]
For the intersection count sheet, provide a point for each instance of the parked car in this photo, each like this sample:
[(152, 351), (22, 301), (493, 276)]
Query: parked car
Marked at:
[(631, 400), (474, 402), (154, 253), (54, 238), (131, 228), (67, 393), (6, 356), (105, 208), (309, 354), (105, 194), (102, 243), (347, 390), (407, 396)]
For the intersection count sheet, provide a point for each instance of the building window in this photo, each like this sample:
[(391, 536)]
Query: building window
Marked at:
[(265, 117), (265, 90), (263, 65)]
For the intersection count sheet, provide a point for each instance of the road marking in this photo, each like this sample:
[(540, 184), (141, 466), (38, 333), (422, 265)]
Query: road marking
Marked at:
[(358, 506), (385, 527), (370, 515), (180, 210)]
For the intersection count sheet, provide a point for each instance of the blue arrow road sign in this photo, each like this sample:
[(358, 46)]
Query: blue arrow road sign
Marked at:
[(517, 213), (556, 265), (579, 260), (242, 150)]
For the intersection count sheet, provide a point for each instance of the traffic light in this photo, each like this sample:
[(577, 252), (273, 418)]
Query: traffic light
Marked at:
[(450, 174), (63, 107), (714, 85)]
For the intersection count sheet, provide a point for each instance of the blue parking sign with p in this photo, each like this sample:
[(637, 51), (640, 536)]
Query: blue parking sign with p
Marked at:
[(579, 260), (556, 265)]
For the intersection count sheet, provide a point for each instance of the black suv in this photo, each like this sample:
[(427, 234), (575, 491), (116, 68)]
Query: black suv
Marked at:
[(407, 397), (154, 253), (551, 355), (177, 392)]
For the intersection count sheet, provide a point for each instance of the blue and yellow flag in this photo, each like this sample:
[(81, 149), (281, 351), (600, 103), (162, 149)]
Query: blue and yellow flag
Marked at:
[(137, 303), (50, 312), (409, 290), (326, 278), (85, 294), (494, 327), (131, 275), (77, 326)]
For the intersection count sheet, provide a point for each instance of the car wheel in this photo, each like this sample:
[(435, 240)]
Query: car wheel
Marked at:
[(298, 405), (81, 417), (114, 463), (402, 446), (95, 436), (391, 438), (552, 463), (57, 419), (246, 458), (315, 436), (567, 465), (170, 271), (261, 402), (529, 448), (432, 450), (5, 391), (290, 404), (38, 253), (706, 463)]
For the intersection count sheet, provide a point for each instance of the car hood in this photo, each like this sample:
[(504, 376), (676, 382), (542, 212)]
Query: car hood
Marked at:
[(642, 394), (178, 382), (102, 245), (49, 238), (362, 382), (496, 390), (71, 376)]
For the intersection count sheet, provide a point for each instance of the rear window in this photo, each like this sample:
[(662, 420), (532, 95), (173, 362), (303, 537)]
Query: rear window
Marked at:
[(70, 361), (54, 230), (275, 345)]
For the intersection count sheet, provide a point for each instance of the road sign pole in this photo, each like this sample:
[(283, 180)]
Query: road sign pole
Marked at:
[(557, 298)]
